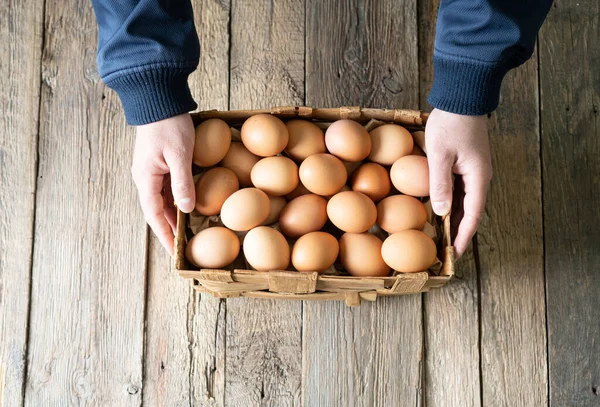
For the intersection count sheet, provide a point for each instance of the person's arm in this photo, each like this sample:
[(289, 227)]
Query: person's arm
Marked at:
[(146, 51), (477, 42)]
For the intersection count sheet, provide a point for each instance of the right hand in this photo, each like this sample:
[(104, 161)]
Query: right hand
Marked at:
[(162, 172)]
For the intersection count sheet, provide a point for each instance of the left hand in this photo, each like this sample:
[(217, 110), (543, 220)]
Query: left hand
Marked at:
[(459, 144)]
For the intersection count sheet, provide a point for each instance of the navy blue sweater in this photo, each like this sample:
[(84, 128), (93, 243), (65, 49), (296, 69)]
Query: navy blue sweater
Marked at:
[(148, 48)]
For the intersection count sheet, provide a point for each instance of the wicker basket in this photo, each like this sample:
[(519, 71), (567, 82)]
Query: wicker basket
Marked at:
[(312, 285)]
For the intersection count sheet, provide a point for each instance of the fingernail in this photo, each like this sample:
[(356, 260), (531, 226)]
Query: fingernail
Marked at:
[(441, 208), (185, 204)]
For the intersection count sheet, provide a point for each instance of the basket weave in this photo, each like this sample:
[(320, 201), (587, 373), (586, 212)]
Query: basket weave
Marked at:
[(310, 285)]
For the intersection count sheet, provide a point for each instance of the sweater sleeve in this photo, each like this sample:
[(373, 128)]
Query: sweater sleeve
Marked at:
[(477, 42), (146, 51)]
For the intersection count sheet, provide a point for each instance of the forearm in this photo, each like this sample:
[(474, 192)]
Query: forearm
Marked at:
[(146, 51), (477, 43)]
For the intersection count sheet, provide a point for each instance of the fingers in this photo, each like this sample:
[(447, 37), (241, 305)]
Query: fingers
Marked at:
[(476, 188), (171, 216), (440, 181), (149, 189), (458, 197), (169, 208), (182, 182), (164, 147)]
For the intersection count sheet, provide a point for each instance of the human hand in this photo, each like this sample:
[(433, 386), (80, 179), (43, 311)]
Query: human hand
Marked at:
[(459, 144), (162, 172)]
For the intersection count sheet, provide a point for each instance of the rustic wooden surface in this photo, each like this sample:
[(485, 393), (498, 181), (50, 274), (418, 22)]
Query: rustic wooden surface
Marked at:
[(570, 115), (187, 366), (451, 342), (371, 355), (106, 321), (511, 262), (20, 53), (86, 326), (263, 348)]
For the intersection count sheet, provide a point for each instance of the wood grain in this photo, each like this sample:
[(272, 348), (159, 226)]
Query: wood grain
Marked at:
[(510, 246), (184, 361), (20, 52), (570, 84), (87, 303), (88, 276), (451, 319), (263, 351), (365, 54), (187, 366), (451, 315)]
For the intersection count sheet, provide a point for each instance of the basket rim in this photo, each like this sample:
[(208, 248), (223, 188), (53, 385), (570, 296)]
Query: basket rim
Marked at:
[(412, 119), (406, 117)]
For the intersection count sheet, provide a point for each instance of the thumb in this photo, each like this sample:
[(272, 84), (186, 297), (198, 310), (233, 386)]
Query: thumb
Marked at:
[(440, 182), (182, 182)]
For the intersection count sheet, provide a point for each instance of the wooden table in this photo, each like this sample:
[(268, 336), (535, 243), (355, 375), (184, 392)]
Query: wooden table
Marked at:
[(91, 315)]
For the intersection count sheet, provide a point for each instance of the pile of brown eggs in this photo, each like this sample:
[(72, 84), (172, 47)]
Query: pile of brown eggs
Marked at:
[(285, 191)]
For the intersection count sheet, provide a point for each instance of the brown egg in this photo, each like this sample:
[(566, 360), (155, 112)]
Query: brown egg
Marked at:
[(352, 211), (401, 212), (264, 135), (372, 180), (213, 188), (323, 174), (390, 142), (213, 248), (266, 249), (360, 254), (276, 205), (245, 209), (348, 140), (305, 139), (299, 191), (315, 251), (409, 251), (240, 161), (213, 138), (307, 213), (410, 175), (275, 175)]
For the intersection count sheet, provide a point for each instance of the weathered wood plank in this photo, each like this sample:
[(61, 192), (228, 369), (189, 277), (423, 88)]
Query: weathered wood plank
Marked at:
[(267, 54), (88, 278), (362, 53), (263, 352), (452, 340), (20, 52), (184, 361), (570, 85), (187, 366), (451, 315), (509, 242)]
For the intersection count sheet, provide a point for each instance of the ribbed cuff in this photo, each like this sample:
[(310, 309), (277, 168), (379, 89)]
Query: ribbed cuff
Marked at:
[(150, 95), (465, 86)]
